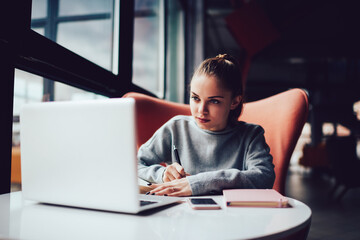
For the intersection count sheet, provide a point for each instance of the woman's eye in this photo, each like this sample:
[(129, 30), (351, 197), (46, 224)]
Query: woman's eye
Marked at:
[(214, 101), (195, 98)]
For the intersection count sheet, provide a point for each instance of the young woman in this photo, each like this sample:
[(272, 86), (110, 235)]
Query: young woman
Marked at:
[(216, 151)]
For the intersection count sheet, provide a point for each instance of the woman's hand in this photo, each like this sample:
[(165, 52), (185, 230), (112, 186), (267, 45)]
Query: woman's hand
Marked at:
[(175, 188), (174, 171)]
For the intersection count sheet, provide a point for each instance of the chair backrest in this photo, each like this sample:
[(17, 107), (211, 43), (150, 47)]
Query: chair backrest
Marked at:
[(282, 116)]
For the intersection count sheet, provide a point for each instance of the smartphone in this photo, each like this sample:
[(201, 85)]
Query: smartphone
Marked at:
[(203, 203)]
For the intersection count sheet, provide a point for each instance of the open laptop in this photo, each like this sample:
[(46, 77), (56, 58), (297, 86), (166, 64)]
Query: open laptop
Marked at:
[(83, 154)]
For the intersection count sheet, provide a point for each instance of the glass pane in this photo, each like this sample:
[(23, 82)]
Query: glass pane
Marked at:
[(39, 30), (146, 53), (90, 39), (146, 5), (81, 7), (27, 88), (175, 54), (65, 92), (39, 9)]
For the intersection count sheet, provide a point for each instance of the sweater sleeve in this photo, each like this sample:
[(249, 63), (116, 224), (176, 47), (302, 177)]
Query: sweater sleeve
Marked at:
[(155, 151), (258, 171)]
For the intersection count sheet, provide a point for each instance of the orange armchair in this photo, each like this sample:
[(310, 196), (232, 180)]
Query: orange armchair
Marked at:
[(282, 116)]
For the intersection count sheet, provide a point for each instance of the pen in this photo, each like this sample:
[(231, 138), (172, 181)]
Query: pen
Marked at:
[(176, 155)]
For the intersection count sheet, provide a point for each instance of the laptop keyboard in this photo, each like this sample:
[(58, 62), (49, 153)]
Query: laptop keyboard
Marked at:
[(144, 203)]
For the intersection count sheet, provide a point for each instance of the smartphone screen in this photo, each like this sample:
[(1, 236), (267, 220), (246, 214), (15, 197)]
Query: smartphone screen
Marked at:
[(203, 203)]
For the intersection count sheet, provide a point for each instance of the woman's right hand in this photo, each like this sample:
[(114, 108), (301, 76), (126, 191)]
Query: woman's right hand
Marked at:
[(174, 171)]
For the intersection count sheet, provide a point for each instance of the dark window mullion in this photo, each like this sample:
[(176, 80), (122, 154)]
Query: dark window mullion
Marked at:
[(44, 57), (87, 17), (41, 22), (145, 13), (112, 17), (38, 23), (51, 33)]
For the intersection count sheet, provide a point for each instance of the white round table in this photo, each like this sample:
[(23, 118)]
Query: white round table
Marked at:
[(21, 219)]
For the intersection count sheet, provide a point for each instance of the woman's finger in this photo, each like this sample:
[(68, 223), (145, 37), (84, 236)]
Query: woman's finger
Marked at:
[(166, 178), (164, 191), (160, 189), (174, 172), (180, 187), (168, 175), (171, 173), (180, 170)]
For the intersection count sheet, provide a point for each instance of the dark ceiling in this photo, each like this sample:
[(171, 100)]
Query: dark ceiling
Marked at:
[(311, 44), (307, 28)]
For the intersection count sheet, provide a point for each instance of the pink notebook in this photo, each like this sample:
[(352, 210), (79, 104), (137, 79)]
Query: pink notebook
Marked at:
[(254, 198)]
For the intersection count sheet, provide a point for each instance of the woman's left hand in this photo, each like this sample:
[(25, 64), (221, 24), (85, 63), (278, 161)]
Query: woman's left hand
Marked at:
[(175, 188)]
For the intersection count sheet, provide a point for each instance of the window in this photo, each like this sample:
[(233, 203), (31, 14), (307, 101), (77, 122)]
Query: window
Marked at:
[(85, 27), (159, 48), (149, 48), (90, 29)]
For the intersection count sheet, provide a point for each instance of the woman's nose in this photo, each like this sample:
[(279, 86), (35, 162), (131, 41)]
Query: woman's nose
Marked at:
[(202, 108)]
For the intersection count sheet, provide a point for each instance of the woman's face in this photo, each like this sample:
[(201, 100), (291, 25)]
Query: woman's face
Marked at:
[(210, 103)]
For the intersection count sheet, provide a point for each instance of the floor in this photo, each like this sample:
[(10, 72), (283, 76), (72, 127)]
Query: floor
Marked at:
[(331, 218)]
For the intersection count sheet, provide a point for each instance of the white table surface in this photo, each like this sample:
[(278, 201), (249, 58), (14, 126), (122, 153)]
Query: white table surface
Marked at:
[(21, 219)]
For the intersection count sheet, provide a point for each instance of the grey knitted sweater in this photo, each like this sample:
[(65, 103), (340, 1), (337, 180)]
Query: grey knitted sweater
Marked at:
[(237, 157)]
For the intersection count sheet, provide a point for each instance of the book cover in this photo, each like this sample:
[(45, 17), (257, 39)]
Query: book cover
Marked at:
[(254, 198)]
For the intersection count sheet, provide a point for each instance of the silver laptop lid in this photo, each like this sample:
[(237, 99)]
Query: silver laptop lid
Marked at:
[(80, 154)]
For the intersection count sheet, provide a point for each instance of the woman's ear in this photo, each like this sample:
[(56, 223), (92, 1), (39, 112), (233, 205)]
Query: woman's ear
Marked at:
[(235, 102)]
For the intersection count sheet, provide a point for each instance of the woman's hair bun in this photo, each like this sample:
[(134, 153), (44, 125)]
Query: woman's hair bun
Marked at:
[(227, 57), (224, 56)]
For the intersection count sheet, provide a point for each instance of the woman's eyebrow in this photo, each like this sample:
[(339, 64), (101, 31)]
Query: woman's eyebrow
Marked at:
[(208, 97)]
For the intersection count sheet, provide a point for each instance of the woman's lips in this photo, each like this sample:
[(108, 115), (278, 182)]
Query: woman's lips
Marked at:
[(203, 120)]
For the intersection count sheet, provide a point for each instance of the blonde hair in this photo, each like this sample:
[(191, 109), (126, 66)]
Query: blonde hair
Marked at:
[(226, 69)]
